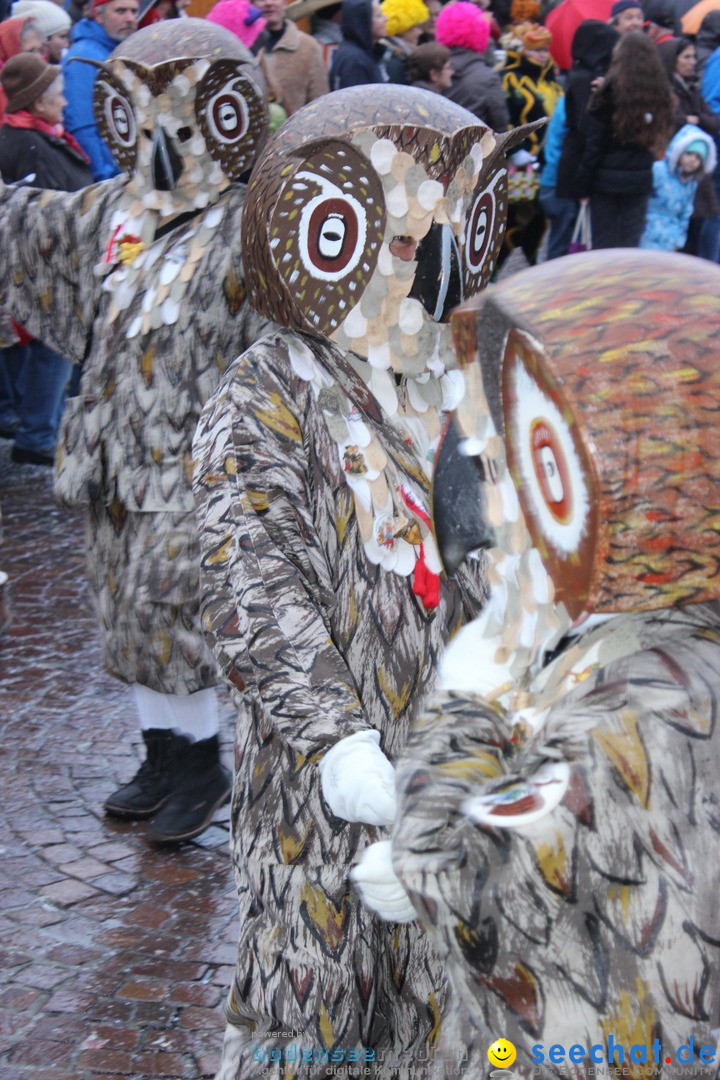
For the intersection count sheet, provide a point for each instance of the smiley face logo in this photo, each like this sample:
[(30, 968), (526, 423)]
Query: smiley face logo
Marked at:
[(501, 1054)]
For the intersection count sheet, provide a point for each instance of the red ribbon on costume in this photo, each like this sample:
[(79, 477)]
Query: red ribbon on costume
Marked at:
[(426, 584)]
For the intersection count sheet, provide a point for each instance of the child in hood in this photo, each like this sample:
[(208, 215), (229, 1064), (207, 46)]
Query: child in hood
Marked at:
[(691, 153)]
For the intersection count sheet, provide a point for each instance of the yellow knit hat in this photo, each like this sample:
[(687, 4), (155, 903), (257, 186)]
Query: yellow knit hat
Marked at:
[(402, 15)]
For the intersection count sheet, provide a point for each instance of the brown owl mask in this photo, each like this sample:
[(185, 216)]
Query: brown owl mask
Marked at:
[(596, 391), (371, 215), (182, 107)]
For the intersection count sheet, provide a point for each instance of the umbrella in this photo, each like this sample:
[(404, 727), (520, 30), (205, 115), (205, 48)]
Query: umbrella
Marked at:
[(564, 20), (691, 20)]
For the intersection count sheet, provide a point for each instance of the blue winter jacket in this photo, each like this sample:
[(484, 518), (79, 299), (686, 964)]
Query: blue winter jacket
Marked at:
[(89, 40), (671, 203), (711, 82), (552, 147)]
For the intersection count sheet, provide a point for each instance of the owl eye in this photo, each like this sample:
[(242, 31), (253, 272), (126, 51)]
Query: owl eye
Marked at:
[(553, 488), (480, 230), (332, 236), (227, 114), (120, 119)]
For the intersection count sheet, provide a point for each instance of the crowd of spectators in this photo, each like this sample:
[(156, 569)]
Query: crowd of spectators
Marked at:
[(631, 138)]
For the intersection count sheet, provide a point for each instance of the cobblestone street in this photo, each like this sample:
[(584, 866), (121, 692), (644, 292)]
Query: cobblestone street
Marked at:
[(115, 956)]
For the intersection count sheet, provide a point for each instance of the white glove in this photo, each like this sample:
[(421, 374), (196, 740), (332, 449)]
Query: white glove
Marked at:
[(358, 781), (520, 158), (379, 886)]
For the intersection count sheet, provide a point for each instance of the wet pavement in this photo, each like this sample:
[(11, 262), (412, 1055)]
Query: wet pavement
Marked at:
[(115, 956)]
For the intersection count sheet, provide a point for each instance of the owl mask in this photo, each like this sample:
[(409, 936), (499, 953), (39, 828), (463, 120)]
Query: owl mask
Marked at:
[(373, 213), (182, 108), (592, 408)]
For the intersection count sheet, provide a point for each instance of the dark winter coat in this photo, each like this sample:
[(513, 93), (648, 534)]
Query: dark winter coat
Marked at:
[(592, 48), (608, 166), (52, 162), (690, 101), (478, 88), (353, 62)]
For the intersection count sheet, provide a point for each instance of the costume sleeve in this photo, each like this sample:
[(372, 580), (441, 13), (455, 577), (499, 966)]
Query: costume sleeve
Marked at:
[(266, 587), (49, 242)]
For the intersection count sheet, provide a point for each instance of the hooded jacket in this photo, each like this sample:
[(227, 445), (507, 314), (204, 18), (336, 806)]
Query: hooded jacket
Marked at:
[(478, 88), (671, 203), (592, 48), (89, 41), (353, 62)]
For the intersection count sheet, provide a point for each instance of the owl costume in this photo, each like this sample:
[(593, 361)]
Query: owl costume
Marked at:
[(558, 806), (368, 217), (140, 280)]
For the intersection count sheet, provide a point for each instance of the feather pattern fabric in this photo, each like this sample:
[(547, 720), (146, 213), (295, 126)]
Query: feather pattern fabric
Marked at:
[(601, 918)]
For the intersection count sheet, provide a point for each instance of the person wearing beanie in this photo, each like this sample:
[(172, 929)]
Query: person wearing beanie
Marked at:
[(404, 23), (33, 144), (93, 38), (659, 21), (626, 15), (690, 156), (52, 21), (463, 29)]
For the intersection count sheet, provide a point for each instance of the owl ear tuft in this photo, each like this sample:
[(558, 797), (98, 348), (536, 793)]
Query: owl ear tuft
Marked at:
[(506, 140), (102, 64)]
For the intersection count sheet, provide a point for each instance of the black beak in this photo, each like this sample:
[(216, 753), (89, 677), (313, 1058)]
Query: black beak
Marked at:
[(438, 279), (459, 507), (167, 165)]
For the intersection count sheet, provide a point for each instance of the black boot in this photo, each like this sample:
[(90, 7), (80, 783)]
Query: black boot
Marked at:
[(201, 784), (151, 786)]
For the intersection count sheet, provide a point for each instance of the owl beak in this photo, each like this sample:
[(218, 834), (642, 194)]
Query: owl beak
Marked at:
[(459, 505), (166, 163), (438, 281)]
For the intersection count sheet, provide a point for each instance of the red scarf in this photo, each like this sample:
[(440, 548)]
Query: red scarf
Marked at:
[(24, 119)]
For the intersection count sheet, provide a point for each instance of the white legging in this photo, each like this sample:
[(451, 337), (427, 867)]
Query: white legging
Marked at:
[(192, 715)]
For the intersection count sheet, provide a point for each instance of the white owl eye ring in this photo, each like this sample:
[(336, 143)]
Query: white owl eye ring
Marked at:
[(554, 488), (120, 119), (479, 231), (333, 232), (227, 116)]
